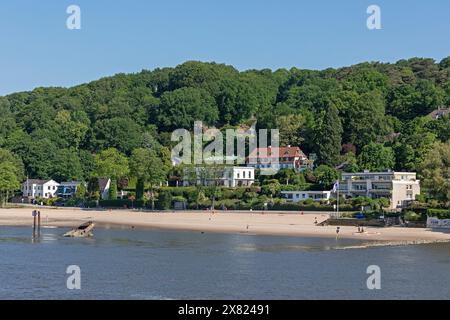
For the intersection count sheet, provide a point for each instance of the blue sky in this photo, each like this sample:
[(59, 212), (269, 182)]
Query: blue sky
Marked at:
[(127, 36)]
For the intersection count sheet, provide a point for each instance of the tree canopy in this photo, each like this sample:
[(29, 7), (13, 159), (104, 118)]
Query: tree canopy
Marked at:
[(366, 116)]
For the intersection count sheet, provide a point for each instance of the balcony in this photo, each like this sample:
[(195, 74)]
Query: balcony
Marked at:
[(381, 190)]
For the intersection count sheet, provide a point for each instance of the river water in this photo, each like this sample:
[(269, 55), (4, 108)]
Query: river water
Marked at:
[(151, 264)]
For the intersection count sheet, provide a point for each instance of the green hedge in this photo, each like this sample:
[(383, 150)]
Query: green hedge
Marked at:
[(121, 203), (164, 201), (439, 213), (292, 206), (90, 204)]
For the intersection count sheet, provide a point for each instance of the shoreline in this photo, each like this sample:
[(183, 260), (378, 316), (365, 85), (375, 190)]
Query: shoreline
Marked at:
[(271, 223)]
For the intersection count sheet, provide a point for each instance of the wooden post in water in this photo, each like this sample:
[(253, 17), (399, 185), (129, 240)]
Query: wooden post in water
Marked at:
[(34, 222), (39, 223)]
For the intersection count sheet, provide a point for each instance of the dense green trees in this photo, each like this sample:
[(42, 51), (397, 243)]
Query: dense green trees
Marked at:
[(66, 166), (11, 174), (409, 101), (436, 171), (17, 164), (8, 181), (414, 143), (376, 157), (147, 166), (326, 176), (440, 127), (347, 116), (110, 163), (181, 107), (120, 133), (292, 129), (364, 118), (328, 133)]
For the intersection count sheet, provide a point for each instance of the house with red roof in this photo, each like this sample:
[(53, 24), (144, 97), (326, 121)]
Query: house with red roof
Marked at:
[(280, 158)]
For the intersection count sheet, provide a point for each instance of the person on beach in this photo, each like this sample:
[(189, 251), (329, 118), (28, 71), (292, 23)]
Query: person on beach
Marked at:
[(338, 229), (315, 220)]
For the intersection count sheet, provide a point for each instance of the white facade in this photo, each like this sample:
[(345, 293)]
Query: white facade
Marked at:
[(277, 158), (242, 176), (227, 177), (296, 196), (400, 187), (39, 188)]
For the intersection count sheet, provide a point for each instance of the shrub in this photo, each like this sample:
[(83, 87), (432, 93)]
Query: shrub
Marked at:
[(412, 216), (178, 199), (120, 203), (292, 206), (164, 201), (439, 213)]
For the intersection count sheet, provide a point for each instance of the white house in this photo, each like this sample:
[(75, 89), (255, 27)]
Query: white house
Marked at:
[(296, 196), (279, 158), (104, 184), (400, 187), (33, 188), (241, 176), (226, 176)]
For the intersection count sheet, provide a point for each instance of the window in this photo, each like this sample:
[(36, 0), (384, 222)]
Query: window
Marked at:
[(243, 174), (249, 174), (238, 175)]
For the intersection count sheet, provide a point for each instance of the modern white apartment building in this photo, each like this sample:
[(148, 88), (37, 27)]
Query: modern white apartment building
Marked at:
[(400, 187), (296, 196), (33, 188), (226, 176)]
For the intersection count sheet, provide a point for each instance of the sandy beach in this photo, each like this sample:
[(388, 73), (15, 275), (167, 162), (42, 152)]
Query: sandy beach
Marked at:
[(256, 223)]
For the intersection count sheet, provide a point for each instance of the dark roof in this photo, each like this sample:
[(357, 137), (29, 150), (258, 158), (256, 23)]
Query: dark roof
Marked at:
[(440, 112), (36, 181), (102, 183)]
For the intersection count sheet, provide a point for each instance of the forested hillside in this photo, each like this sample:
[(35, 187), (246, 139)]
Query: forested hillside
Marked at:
[(367, 116)]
